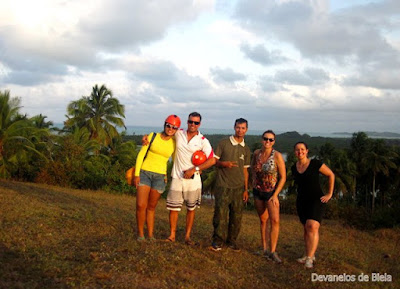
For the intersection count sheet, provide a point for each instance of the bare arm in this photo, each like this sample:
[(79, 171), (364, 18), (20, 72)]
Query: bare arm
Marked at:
[(331, 179), (226, 164), (246, 185), (282, 178), (253, 161), (208, 163), (140, 159)]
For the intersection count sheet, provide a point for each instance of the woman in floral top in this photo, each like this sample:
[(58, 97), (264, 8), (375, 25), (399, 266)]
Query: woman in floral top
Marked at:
[(269, 176)]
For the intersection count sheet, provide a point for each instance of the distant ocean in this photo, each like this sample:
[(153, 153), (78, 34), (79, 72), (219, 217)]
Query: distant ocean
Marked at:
[(140, 130)]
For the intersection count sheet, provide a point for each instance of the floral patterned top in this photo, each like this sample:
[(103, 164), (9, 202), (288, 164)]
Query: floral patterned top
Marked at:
[(265, 174)]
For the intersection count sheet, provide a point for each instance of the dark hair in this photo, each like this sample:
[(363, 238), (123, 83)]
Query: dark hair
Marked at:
[(240, 121), (268, 131), (301, 142), (195, 114)]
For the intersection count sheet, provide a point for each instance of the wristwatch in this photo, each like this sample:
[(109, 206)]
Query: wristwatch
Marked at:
[(197, 169)]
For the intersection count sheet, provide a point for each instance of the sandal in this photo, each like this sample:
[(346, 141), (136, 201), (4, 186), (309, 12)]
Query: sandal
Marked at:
[(190, 243)]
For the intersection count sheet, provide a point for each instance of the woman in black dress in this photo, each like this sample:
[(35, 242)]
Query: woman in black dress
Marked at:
[(310, 198)]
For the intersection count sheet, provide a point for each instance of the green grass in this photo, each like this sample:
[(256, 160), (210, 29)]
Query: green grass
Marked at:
[(52, 237)]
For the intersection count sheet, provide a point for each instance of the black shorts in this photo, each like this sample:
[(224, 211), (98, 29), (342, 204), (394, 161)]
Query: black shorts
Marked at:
[(310, 210), (262, 196)]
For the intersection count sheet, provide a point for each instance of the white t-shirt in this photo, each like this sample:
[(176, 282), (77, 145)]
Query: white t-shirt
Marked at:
[(185, 150)]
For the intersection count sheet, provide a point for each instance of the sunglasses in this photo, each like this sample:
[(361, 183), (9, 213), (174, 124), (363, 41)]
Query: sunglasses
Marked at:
[(193, 122), (268, 139), (171, 126)]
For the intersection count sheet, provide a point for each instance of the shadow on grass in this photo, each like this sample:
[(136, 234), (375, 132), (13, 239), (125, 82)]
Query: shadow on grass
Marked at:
[(20, 270)]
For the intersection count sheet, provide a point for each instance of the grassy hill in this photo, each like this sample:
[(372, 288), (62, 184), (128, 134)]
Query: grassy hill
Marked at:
[(53, 237)]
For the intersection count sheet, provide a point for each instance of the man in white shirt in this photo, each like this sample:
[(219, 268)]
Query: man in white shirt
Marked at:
[(186, 181)]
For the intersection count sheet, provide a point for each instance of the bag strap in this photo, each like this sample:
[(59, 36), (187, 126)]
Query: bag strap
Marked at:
[(151, 141)]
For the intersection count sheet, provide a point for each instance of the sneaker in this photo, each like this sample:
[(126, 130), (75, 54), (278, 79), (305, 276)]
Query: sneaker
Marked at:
[(302, 260), (309, 263), (274, 257), (141, 239), (262, 253), (234, 247), (215, 247)]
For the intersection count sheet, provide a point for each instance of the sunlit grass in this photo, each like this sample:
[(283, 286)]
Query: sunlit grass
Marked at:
[(54, 237)]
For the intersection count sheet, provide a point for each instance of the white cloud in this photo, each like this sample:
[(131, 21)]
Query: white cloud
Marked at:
[(306, 65)]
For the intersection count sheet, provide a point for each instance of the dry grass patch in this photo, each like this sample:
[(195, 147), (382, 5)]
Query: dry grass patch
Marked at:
[(55, 237)]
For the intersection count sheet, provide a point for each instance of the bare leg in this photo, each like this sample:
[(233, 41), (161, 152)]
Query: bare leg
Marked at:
[(142, 197), (154, 196), (173, 221), (305, 239), (263, 214), (274, 219), (189, 224), (311, 237)]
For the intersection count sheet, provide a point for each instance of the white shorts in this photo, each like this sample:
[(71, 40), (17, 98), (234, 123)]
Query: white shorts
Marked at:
[(184, 190)]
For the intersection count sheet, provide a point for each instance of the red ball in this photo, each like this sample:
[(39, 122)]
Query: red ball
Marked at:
[(198, 158)]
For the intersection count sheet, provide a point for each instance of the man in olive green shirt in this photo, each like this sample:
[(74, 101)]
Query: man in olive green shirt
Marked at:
[(233, 160)]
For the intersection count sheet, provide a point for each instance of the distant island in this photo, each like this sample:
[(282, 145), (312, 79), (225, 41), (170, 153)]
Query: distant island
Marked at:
[(373, 134)]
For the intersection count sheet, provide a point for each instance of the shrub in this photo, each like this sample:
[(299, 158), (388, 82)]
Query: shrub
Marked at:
[(358, 217), (288, 205), (54, 173), (384, 218), (333, 209)]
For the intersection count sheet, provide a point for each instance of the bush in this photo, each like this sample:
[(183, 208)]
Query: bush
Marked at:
[(384, 218), (53, 173), (333, 210), (358, 217), (116, 182), (288, 205)]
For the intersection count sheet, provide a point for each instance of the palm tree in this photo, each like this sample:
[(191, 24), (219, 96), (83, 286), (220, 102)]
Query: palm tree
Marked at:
[(344, 168), (379, 160), (359, 146), (99, 113), (123, 152), (39, 121), (17, 136)]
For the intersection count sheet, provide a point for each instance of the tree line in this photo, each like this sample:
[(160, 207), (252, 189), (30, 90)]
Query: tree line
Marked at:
[(89, 152)]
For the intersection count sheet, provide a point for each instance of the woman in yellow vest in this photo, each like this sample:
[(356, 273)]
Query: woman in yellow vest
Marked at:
[(150, 172)]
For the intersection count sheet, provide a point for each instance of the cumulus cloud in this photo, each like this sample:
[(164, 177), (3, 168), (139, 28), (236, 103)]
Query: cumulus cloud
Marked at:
[(261, 55), (79, 34), (282, 64), (126, 23), (308, 77), (226, 75), (358, 37), (314, 30)]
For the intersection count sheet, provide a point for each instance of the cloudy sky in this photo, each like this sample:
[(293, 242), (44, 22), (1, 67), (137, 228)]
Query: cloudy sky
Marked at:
[(305, 65)]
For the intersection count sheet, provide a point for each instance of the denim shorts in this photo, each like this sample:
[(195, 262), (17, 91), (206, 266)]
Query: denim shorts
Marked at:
[(152, 180)]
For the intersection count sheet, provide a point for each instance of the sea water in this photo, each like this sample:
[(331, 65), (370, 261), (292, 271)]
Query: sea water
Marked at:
[(140, 130)]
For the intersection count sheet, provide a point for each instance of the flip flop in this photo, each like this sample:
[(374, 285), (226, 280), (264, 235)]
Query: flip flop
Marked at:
[(191, 243), (169, 240)]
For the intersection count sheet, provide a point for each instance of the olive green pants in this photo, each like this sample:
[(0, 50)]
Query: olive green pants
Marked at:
[(227, 214)]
